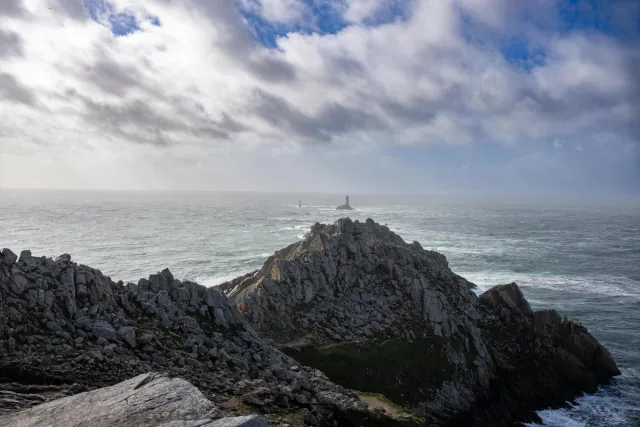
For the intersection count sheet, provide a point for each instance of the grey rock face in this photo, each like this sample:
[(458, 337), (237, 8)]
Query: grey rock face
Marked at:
[(353, 288), (151, 401), (65, 321)]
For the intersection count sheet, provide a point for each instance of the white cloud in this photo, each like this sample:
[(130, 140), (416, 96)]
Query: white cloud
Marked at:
[(200, 87), (285, 11), (359, 10)]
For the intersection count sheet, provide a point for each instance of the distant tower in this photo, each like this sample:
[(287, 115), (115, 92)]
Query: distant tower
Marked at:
[(346, 206)]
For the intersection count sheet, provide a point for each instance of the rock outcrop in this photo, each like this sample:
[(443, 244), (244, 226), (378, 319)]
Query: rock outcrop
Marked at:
[(380, 315), (148, 400), (66, 328)]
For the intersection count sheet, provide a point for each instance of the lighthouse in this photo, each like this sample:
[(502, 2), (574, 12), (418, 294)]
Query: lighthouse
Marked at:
[(346, 206)]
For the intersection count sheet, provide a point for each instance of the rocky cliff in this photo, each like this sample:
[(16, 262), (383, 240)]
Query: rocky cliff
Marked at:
[(67, 328), (379, 315)]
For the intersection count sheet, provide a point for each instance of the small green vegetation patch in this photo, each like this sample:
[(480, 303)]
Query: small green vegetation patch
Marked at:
[(401, 371)]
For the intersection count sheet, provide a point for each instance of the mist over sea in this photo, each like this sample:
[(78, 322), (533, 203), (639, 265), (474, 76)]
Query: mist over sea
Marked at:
[(581, 258)]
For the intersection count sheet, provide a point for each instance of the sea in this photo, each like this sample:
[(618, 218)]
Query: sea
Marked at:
[(578, 256)]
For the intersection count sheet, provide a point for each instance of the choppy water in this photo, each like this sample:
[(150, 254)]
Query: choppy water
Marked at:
[(582, 258)]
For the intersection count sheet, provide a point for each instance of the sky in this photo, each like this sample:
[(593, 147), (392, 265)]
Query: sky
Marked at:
[(379, 96)]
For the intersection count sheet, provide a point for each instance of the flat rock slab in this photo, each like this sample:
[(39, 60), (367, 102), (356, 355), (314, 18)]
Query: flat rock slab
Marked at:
[(245, 421), (148, 400)]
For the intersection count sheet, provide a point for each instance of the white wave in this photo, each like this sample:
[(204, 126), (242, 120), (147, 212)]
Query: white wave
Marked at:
[(601, 409), (595, 284), (218, 280), (296, 227)]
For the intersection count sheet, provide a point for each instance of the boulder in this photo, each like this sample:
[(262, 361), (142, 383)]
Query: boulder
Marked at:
[(102, 329), (8, 257), (24, 255), (152, 400), (128, 335)]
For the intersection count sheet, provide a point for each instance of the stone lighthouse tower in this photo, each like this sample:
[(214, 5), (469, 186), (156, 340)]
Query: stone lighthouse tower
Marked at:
[(346, 206)]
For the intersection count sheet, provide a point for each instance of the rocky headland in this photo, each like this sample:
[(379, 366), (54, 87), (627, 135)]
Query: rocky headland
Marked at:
[(351, 326), (380, 315)]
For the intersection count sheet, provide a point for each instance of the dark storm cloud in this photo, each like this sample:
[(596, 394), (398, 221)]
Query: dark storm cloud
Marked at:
[(13, 90), (10, 43)]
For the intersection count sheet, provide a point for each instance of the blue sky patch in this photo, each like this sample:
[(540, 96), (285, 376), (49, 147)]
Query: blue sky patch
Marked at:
[(326, 19), (121, 23)]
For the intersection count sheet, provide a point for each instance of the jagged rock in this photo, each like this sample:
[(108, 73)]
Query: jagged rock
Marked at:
[(63, 258), (151, 401), (53, 332), (8, 257), (24, 255), (378, 314)]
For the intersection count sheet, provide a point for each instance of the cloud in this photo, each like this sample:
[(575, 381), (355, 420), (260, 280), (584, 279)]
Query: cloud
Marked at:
[(10, 44), (359, 10), (14, 91), (193, 78), (11, 7), (284, 11), (74, 9)]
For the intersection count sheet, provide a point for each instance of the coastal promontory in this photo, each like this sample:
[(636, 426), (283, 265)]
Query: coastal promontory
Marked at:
[(381, 315), (350, 326)]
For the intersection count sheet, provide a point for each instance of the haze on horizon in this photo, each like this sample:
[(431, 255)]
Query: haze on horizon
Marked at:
[(358, 96)]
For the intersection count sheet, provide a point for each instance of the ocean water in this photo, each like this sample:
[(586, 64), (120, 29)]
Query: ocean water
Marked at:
[(580, 257)]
